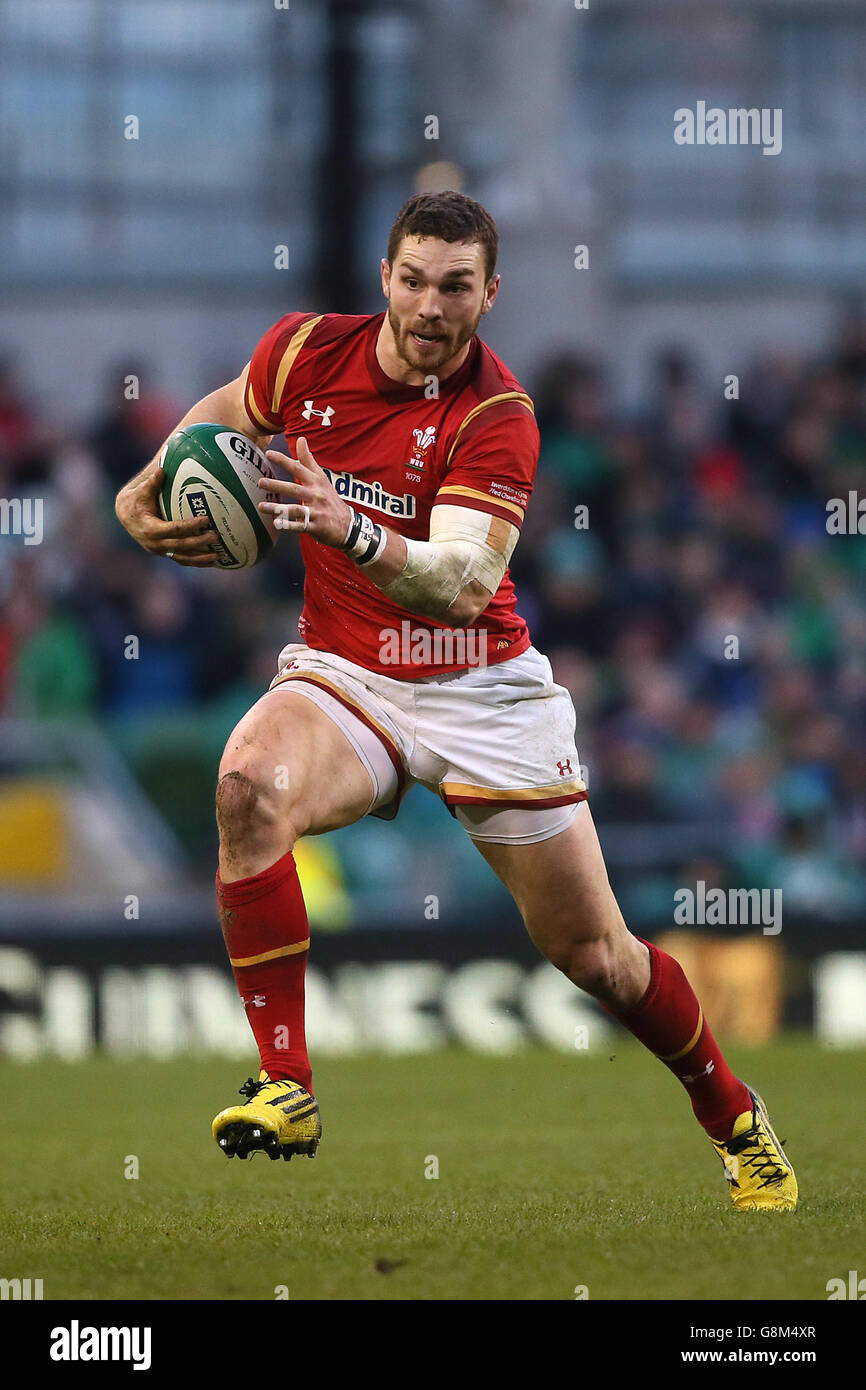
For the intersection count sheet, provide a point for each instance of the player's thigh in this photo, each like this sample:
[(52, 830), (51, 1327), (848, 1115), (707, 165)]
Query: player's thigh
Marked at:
[(302, 770), (561, 887)]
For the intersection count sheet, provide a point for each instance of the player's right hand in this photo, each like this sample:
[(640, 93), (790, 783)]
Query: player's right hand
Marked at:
[(186, 542)]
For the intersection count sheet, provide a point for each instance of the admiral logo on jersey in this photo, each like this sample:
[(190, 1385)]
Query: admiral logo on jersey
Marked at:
[(371, 495)]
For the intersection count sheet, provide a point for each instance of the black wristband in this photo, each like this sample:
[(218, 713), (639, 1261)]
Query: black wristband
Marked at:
[(365, 540), (354, 531), (374, 547)]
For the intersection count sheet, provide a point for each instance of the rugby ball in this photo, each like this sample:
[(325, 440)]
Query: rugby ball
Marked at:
[(213, 471)]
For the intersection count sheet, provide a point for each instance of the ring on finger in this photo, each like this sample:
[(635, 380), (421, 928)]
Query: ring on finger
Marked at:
[(284, 522)]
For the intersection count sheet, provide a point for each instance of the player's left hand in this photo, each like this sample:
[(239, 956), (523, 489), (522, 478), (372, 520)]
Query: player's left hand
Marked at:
[(309, 502)]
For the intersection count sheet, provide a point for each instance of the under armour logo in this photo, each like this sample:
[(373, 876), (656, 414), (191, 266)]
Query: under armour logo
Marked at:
[(424, 438), (565, 768), (697, 1076), (324, 415), (258, 1000)]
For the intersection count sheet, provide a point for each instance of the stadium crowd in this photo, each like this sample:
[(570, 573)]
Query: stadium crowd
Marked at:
[(675, 565)]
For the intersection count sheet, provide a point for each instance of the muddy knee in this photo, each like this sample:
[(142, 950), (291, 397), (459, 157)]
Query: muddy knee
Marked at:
[(244, 810)]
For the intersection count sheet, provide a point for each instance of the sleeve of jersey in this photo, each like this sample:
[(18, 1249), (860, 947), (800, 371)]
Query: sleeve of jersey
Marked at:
[(270, 368), (492, 463)]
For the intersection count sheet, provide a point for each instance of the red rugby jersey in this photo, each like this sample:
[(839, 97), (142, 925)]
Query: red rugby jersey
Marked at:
[(393, 453)]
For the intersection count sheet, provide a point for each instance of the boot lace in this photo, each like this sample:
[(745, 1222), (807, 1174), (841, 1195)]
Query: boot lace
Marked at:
[(251, 1088), (754, 1150)]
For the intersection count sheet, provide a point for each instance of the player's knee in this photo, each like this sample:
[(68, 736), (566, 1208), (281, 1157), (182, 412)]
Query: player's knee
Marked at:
[(246, 808), (236, 800), (590, 965)]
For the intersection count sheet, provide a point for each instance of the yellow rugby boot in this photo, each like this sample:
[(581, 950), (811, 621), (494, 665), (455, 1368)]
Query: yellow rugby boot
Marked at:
[(279, 1118), (760, 1175)]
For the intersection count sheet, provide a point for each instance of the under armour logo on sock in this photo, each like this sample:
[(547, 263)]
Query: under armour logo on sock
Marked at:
[(706, 1072), (259, 1000)]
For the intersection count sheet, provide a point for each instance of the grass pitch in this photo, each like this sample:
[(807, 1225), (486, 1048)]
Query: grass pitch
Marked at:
[(554, 1171)]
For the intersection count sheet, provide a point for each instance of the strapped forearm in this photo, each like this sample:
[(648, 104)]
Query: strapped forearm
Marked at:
[(464, 546)]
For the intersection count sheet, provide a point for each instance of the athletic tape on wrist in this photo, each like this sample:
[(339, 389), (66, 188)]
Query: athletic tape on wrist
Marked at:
[(377, 545), (353, 531), (365, 539)]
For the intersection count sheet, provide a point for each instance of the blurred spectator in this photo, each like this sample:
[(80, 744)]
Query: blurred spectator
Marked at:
[(25, 439), (132, 425)]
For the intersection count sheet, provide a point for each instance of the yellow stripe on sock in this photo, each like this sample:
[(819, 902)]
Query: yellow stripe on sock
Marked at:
[(292, 950), (675, 1057)]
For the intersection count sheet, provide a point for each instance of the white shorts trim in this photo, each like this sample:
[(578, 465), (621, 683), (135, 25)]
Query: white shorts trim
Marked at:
[(517, 826)]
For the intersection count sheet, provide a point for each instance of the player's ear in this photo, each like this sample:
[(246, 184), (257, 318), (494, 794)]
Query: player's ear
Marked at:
[(490, 294), (386, 276)]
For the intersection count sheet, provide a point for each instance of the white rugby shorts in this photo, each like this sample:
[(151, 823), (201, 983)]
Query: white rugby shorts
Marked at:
[(496, 743)]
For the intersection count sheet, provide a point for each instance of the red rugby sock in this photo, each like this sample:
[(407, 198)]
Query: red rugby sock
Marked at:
[(670, 1022), (264, 923)]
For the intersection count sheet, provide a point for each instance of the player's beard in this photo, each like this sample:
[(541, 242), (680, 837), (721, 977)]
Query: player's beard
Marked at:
[(433, 361)]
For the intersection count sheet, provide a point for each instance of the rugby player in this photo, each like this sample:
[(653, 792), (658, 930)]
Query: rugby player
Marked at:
[(412, 452)]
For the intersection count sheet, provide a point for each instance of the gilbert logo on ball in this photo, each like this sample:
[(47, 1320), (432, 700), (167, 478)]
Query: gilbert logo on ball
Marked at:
[(213, 471)]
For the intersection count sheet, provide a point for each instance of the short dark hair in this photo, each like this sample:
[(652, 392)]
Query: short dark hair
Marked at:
[(451, 216)]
